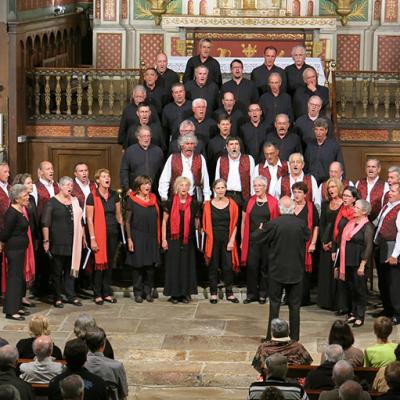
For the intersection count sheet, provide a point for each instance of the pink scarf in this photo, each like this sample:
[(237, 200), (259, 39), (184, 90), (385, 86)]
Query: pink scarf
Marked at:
[(29, 266), (348, 232), (77, 240)]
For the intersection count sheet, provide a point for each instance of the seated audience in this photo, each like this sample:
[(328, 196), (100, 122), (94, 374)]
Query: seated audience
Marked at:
[(275, 371), (8, 372), (321, 377), (72, 387), (85, 322), (38, 326), (342, 335), (342, 372), (112, 371), (392, 376), (272, 393), (75, 354), (281, 343), (42, 369), (9, 392), (382, 353), (380, 384), (351, 390)]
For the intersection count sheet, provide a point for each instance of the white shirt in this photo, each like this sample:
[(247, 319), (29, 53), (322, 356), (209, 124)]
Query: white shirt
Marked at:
[(48, 185), (315, 191), (381, 218), (273, 170), (3, 185), (85, 188), (165, 178), (233, 181), (370, 186)]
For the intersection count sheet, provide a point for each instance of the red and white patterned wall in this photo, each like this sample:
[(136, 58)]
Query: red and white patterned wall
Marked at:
[(108, 50), (23, 5), (388, 53), (348, 52), (150, 46)]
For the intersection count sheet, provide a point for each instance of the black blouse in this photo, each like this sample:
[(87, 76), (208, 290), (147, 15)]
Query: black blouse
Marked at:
[(360, 246), (303, 214), (258, 215), (15, 231), (109, 208), (220, 222)]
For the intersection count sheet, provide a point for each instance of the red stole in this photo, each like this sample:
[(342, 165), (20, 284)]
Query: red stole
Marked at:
[(274, 213), (375, 195), (4, 204), (344, 212), (345, 183), (177, 169), (286, 190), (77, 192), (175, 218), (310, 225), (208, 229), (386, 198), (100, 232), (388, 229), (29, 263), (43, 195), (244, 172), (264, 171)]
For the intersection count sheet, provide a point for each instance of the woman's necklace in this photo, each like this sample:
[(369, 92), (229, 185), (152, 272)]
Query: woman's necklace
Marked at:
[(260, 203)]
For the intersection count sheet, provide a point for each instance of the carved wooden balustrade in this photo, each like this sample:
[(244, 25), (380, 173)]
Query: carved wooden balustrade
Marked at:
[(79, 93)]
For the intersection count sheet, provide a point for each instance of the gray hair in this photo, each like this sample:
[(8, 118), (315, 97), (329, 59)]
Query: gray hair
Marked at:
[(42, 347), (187, 122), (141, 129), (284, 209), (321, 123), (8, 356), (298, 47), (316, 98), (277, 365), (275, 75), (378, 163), (310, 69), (261, 179), (64, 180), (279, 328), (350, 390), (296, 154), (201, 67), (196, 102), (139, 88), (82, 324), (72, 387), (395, 169), (334, 353), (16, 192), (282, 116), (342, 372), (364, 205), (191, 137), (9, 392)]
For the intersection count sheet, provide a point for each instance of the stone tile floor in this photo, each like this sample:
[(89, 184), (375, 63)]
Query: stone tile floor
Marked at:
[(193, 352)]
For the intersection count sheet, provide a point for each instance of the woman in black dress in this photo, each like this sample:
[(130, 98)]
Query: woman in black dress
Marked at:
[(177, 232), (259, 209), (143, 232), (346, 213), (329, 210), (103, 216), (220, 218), (63, 240), (356, 247), (306, 211), (14, 241)]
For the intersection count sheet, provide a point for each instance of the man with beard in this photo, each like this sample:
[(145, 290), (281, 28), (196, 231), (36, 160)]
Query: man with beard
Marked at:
[(230, 109), (185, 128), (166, 77), (286, 141), (189, 164), (205, 128)]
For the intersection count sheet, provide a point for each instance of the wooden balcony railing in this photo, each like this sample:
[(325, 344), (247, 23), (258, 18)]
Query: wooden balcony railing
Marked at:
[(79, 93)]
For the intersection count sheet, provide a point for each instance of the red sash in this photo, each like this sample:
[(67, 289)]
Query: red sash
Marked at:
[(310, 224), (286, 190), (175, 218), (43, 195), (177, 169), (375, 195), (100, 232), (77, 192), (388, 229), (264, 171), (244, 172), (4, 204)]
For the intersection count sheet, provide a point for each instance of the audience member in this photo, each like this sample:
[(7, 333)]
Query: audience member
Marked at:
[(392, 376), (9, 392), (72, 387), (351, 390), (380, 384)]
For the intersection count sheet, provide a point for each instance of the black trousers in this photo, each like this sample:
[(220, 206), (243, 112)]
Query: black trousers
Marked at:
[(14, 281), (383, 282), (61, 277), (357, 291), (143, 281), (257, 271), (43, 267), (393, 273), (221, 258), (306, 288), (293, 296)]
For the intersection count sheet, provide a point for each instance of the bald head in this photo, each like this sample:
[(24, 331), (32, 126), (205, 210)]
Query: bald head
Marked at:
[(350, 390), (8, 357), (42, 347), (286, 205)]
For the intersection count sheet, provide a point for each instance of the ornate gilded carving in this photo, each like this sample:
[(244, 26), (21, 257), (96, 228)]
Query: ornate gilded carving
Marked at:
[(90, 95), (249, 51), (223, 52), (249, 36), (79, 95), (386, 101), (343, 9), (58, 95), (100, 95), (37, 95), (111, 97), (364, 96), (69, 95), (158, 8), (47, 94)]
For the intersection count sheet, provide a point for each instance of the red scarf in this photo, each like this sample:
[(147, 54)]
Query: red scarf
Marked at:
[(208, 229), (310, 224), (100, 232), (348, 232), (274, 213), (151, 203), (175, 218), (344, 212), (29, 267)]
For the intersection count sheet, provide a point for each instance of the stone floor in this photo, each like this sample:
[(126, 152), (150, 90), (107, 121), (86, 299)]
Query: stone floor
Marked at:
[(194, 351)]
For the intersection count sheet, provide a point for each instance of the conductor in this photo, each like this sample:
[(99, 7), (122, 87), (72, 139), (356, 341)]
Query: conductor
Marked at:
[(287, 237)]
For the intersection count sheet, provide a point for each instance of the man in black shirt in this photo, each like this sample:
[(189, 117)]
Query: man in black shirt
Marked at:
[(142, 158), (202, 87), (243, 89), (175, 112), (229, 108), (205, 127), (156, 94), (274, 101), (286, 141), (166, 77), (294, 72), (186, 128), (260, 74), (204, 58)]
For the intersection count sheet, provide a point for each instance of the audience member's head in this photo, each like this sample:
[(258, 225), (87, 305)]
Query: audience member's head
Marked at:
[(82, 324), (95, 339), (342, 372), (75, 354), (342, 334), (42, 347), (9, 392), (279, 328), (272, 393), (276, 366), (383, 327), (8, 357), (39, 325), (350, 390), (392, 376), (333, 353), (72, 387)]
